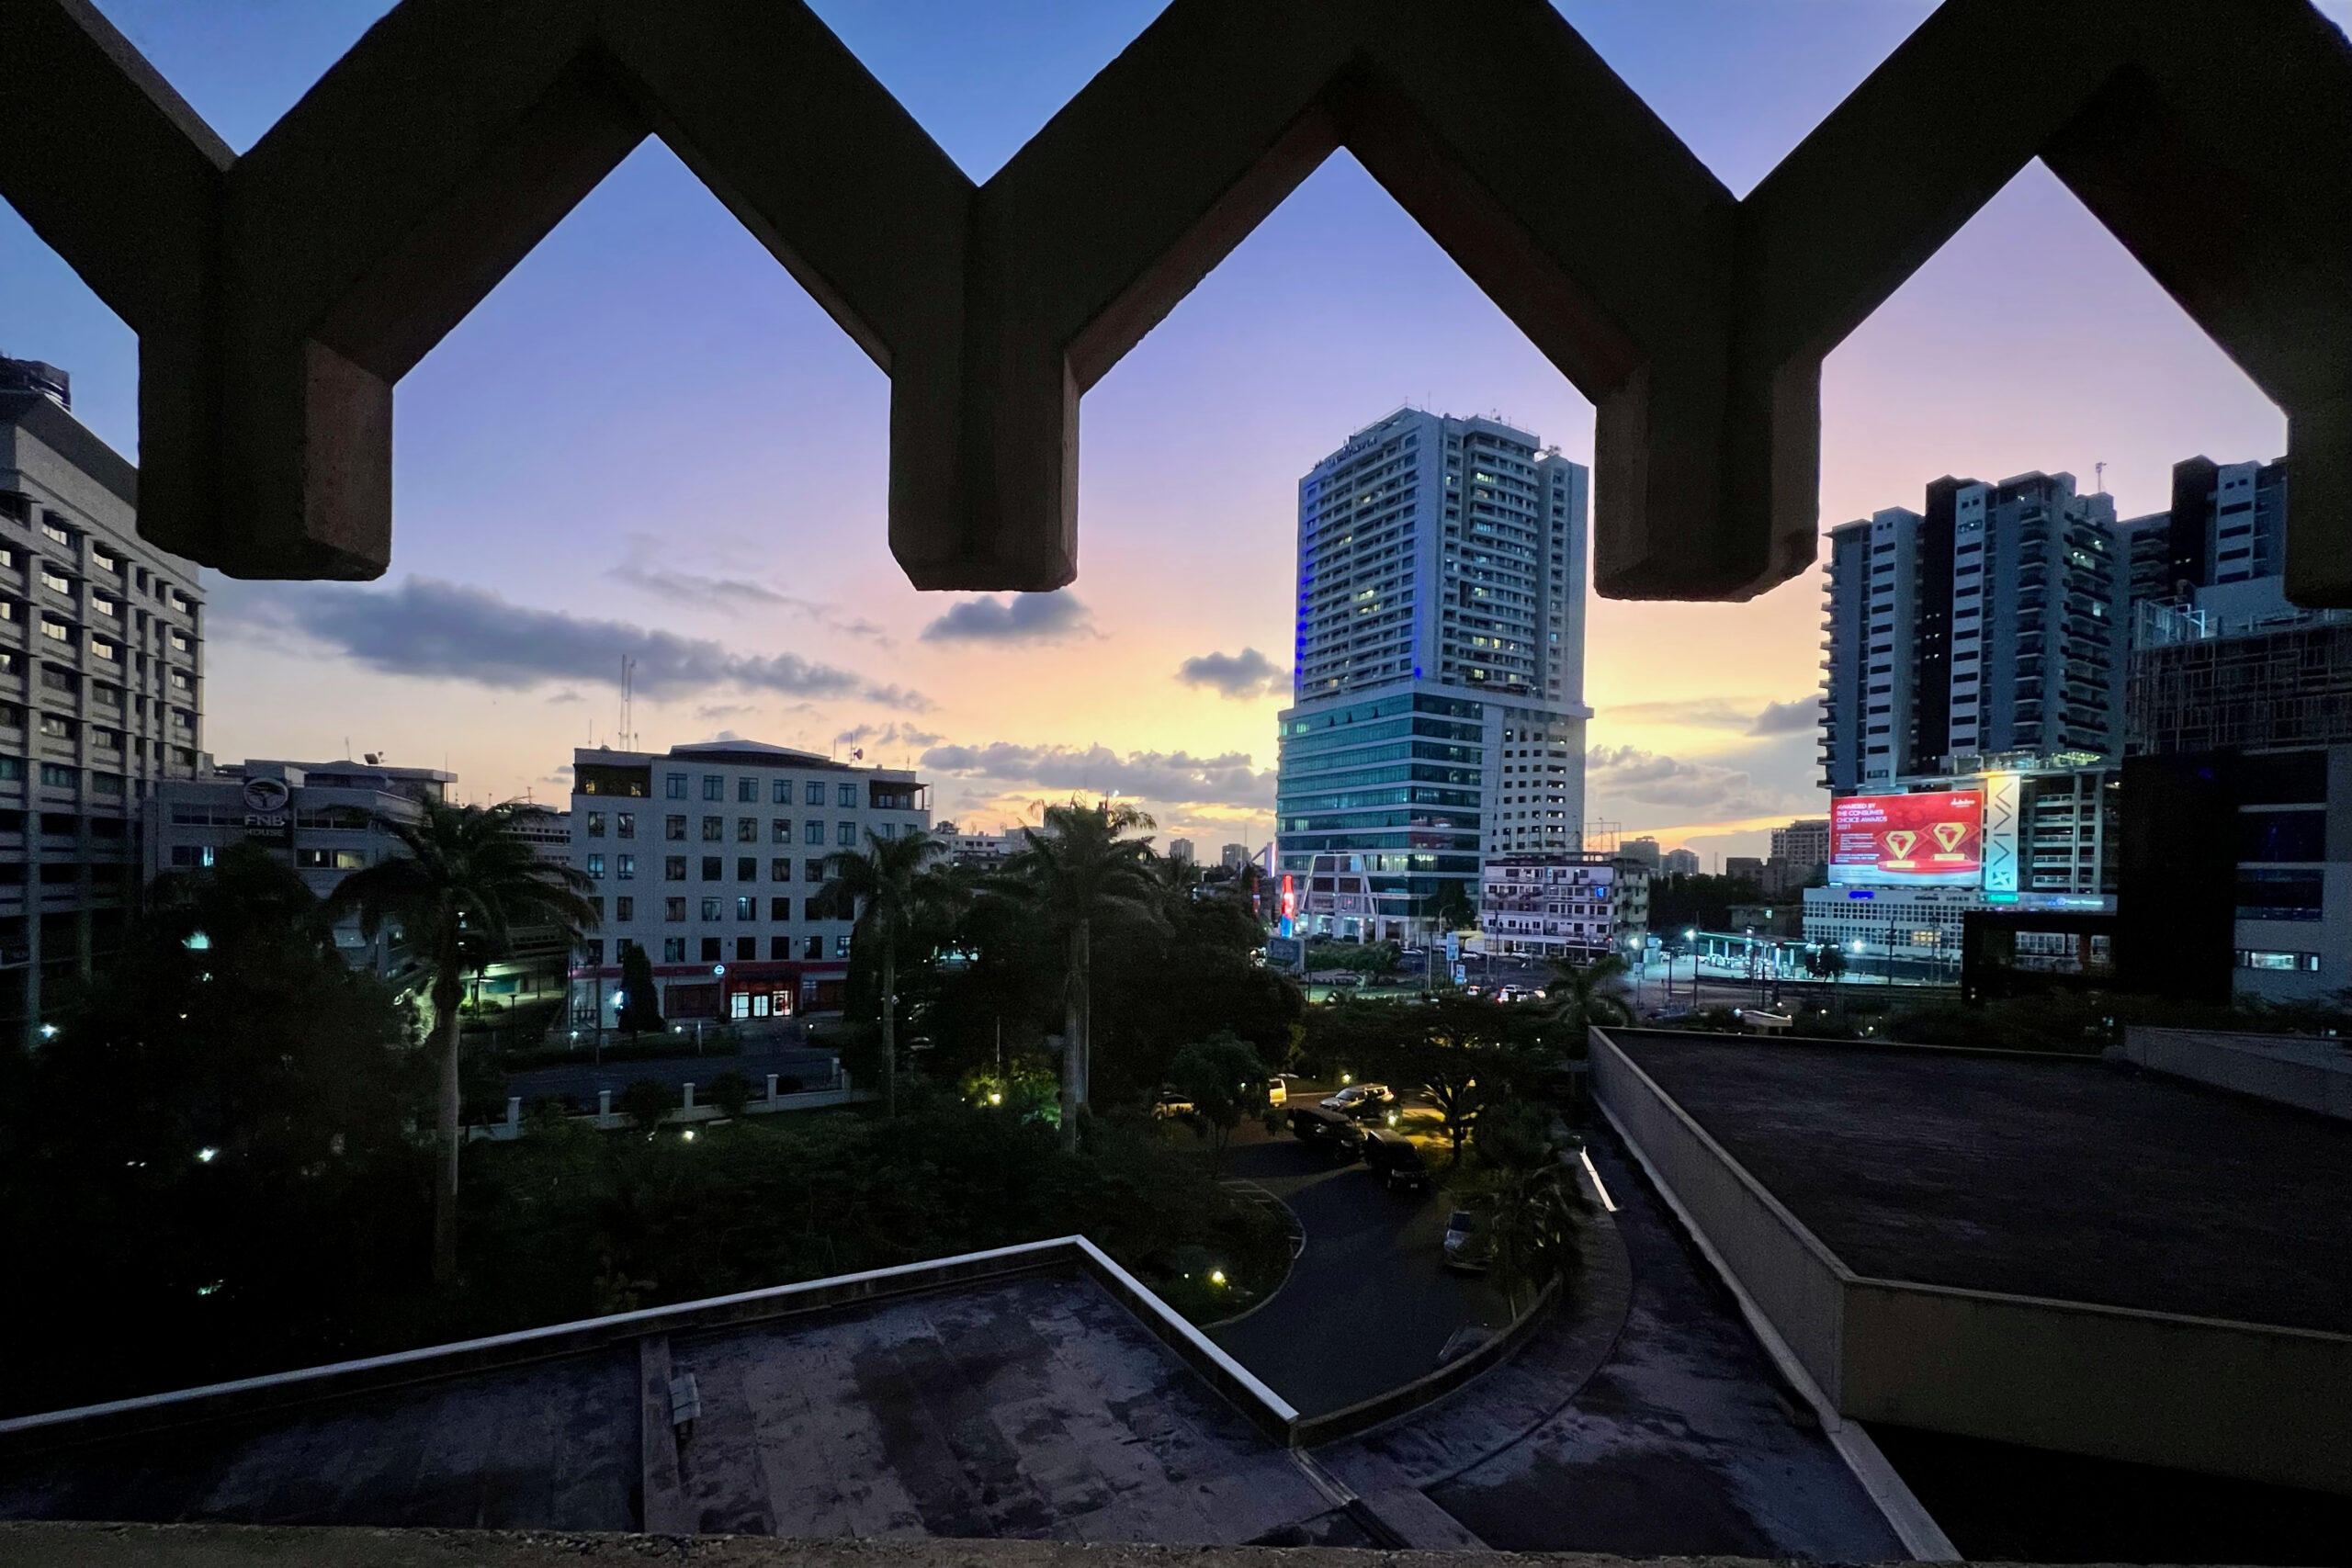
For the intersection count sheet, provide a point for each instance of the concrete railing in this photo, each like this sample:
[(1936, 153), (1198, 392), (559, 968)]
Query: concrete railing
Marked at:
[(2291, 1069), (1307, 1431), (2257, 1400), (841, 1091)]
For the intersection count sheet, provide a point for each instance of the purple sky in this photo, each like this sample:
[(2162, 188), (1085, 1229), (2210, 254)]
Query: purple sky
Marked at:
[(648, 439)]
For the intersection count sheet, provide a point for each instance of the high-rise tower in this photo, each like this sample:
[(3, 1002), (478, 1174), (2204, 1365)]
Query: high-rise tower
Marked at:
[(1439, 664)]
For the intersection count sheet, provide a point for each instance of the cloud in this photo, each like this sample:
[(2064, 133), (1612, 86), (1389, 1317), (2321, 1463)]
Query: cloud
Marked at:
[(887, 735), (1623, 775), (1693, 713), (1798, 718), (735, 595), (711, 713), (566, 695), (1018, 617), (448, 631), (1242, 675), (1176, 777)]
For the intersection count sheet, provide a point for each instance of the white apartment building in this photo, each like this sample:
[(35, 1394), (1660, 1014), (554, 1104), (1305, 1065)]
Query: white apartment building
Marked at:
[(711, 858), (101, 688), (1573, 907)]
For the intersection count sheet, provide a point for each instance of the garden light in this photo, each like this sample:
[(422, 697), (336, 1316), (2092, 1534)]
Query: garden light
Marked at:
[(996, 1097), (207, 1156), (688, 1135), (1216, 1275)]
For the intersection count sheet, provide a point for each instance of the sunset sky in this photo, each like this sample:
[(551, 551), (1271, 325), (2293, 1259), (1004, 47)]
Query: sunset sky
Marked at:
[(649, 440)]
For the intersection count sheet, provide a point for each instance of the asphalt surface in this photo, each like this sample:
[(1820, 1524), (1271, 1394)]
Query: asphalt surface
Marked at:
[(1367, 1306), (1681, 1444), (580, 1080)]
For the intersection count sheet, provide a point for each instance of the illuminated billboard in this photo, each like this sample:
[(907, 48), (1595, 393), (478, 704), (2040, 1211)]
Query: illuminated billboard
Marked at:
[(1908, 841)]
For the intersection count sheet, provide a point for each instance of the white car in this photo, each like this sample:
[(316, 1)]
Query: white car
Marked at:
[(1359, 1099)]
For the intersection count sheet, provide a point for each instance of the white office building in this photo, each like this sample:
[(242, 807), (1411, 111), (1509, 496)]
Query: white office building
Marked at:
[(711, 858), (1439, 716), (1571, 906), (325, 819)]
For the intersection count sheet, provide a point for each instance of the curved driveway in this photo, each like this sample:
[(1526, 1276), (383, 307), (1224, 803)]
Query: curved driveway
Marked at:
[(1367, 1307)]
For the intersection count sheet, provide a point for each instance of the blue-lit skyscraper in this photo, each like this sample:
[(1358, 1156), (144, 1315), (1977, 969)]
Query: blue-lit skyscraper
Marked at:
[(1439, 714)]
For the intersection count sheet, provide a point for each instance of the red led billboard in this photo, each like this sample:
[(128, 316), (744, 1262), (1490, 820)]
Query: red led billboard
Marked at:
[(1908, 841)]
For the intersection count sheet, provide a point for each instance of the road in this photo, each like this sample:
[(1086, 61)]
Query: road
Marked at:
[(580, 1080), (1367, 1306)]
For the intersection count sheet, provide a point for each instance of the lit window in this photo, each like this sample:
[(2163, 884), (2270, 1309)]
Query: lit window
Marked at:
[(596, 866)]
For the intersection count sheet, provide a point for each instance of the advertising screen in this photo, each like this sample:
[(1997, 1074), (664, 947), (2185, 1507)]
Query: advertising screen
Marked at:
[(1908, 841)]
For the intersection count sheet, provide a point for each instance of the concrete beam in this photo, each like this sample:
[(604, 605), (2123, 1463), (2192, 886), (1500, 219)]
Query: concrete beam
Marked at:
[(279, 297)]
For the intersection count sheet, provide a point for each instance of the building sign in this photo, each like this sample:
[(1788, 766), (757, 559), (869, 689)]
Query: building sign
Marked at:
[(1285, 953), (266, 802), (1908, 841), (2001, 798)]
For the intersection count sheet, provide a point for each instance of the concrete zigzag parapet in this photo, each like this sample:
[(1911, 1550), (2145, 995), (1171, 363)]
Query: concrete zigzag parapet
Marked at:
[(279, 296)]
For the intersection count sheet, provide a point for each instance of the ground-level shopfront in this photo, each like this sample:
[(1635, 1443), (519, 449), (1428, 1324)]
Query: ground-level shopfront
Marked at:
[(753, 990)]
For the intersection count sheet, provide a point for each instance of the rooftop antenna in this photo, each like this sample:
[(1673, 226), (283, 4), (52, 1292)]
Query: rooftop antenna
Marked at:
[(2098, 477), (628, 703)]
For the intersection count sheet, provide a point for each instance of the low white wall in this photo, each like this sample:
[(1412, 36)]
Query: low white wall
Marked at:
[(2244, 1399), (1795, 1281), (2314, 1075)]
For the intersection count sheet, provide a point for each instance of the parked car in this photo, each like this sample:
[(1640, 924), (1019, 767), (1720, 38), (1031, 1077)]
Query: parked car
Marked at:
[(1467, 1249), (1172, 1103), (1396, 1159), (1327, 1129), (1362, 1101)]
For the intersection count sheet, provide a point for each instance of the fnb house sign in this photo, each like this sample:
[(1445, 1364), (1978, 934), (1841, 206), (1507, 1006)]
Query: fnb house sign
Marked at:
[(266, 803)]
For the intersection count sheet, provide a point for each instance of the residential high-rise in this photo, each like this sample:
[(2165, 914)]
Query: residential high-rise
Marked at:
[(1678, 862), (1644, 852), (1996, 621), (711, 858), (101, 683), (1803, 843), (1439, 664), (1180, 849)]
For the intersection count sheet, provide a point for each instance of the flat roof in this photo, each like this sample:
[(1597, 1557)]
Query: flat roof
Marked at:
[(1034, 1404), (2059, 1177)]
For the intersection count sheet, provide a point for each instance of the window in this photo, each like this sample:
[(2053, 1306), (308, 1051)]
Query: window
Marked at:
[(710, 950), (591, 952), (814, 872), (673, 910), (816, 948), (846, 835), (2282, 835), (673, 868), (747, 829), (674, 949), (628, 868), (55, 581), (747, 868), (596, 866), (812, 831), (624, 909), (815, 794), (55, 728), (779, 947), (675, 829), (713, 829), (104, 560), (845, 795), (595, 824), (747, 948), (710, 908), (779, 909), (187, 855), (2279, 895), (780, 792), (815, 910), (55, 679), (713, 787), (54, 531), (2291, 963), (841, 944), (713, 869), (55, 629), (625, 825), (780, 830), (747, 908), (336, 860), (674, 787), (747, 791), (106, 604)]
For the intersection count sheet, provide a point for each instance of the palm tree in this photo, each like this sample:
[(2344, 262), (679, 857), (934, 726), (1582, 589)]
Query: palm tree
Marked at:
[(1585, 994), (888, 884), (1077, 871), (466, 881)]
